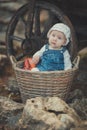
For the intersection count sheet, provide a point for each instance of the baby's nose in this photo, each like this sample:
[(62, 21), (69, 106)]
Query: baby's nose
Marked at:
[(55, 38)]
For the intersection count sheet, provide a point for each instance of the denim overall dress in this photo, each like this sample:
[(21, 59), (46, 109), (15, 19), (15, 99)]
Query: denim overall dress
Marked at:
[(51, 60)]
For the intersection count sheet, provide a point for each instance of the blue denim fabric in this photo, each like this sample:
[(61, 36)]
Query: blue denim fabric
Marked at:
[(51, 60)]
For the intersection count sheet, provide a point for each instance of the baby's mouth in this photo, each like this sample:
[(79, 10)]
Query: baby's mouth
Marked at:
[(53, 43)]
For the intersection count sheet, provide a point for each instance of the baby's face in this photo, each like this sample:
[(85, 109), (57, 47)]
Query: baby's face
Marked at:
[(57, 39)]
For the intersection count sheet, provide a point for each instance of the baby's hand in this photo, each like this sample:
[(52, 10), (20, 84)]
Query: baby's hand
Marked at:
[(35, 59)]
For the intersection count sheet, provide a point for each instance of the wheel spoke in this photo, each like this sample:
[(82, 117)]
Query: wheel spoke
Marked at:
[(29, 23), (37, 22), (21, 55), (16, 38)]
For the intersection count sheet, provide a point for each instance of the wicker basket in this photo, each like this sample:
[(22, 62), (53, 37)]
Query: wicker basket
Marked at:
[(52, 83)]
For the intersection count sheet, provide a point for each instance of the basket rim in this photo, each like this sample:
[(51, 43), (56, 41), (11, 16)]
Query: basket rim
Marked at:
[(75, 62), (45, 72)]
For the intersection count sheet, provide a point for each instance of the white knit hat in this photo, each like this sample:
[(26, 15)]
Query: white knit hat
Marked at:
[(62, 28)]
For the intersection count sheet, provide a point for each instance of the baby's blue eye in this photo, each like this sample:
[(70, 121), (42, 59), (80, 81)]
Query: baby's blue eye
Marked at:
[(59, 38), (53, 35)]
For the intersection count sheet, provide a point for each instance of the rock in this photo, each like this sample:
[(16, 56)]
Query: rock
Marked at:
[(2, 56), (4, 65), (76, 94), (9, 109), (80, 106), (58, 105), (3, 53), (82, 77), (51, 112), (79, 128), (83, 53), (78, 102), (9, 105), (68, 120), (12, 85)]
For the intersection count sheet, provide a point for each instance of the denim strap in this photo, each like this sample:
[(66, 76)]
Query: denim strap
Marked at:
[(47, 47)]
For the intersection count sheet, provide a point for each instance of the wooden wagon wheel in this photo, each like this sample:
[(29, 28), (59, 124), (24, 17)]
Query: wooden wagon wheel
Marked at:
[(44, 16)]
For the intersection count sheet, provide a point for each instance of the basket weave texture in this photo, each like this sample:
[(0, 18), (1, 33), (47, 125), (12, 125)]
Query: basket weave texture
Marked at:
[(52, 83)]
